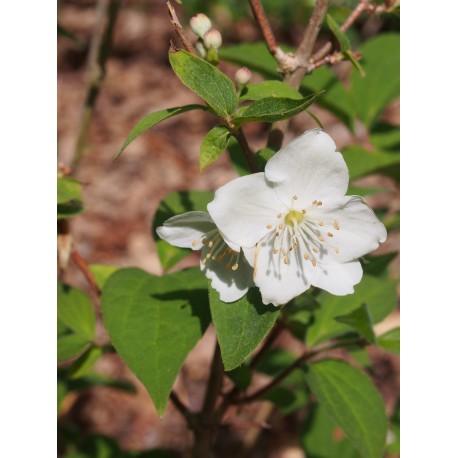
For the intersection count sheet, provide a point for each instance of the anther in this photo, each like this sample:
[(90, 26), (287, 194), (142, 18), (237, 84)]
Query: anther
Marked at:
[(279, 215), (319, 203), (337, 250), (294, 197), (204, 241), (269, 226), (275, 251), (283, 252), (281, 226), (277, 234), (313, 262), (315, 250), (321, 223), (321, 239), (235, 267), (306, 256), (210, 244), (315, 202), (336, 225), (195, 243), (208, 256), (304, 211), (286, 261), (330, 234)]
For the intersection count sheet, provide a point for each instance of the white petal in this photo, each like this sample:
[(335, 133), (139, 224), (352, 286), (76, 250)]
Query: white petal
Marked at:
[(310, 168), (249, 254), (359, 233), (339, 279), (184, 230), (230, 284), (277, 281), (244, 207)]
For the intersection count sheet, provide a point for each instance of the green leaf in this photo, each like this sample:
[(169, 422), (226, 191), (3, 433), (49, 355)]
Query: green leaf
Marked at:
[(102, 272), (381, 57), (71, 345), (291, 394), (155, 118), (360, 320), (84, 365), (378, 293), (69, 209), (175, 204), (353, 403), (341, 37), (75, 310), (255, 56), (361, 162), (318, 439), (241, 326), (390, 341), (355, 62), (241, 376), (386, 137), (154, 322), (269, 89), (206, 81), (68, 189), (337, 99), (377, 265), (272, 109), (213, 145)]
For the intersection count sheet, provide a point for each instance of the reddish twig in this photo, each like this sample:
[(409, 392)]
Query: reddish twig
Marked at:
[(179, 29), (240, 136), (363, 5), (81, 263), (187, 414), (288, 62)]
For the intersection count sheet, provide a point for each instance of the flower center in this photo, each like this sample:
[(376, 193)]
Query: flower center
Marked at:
[(294, 217)]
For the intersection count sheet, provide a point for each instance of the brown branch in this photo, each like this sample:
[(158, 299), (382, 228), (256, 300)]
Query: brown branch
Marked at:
[(240, 136), (276, 331), (179, 29), (362, 6), (189, 416), (287, 62), (306, 356), (107, 11), (82, 265)]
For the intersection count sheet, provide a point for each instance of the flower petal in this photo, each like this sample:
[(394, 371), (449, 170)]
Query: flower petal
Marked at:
[(244, 207), (280, 282), (339, 279), (359, 231), (310, 168), (184, 230), (230, 284)]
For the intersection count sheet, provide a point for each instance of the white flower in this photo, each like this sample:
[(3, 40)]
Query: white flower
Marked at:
[(224, 265), (295, 224)]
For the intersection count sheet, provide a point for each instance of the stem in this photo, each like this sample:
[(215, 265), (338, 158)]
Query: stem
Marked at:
[(360, 8), (189, 416), (98, 54), (282, 375), (208, 419), (240, 136), (287, 61), (179, 29), (81, 263), (276, 331)]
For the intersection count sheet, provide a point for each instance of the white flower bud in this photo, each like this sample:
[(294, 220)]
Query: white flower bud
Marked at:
[(200, 24), (201, 48), (243, 76), (213, 39)]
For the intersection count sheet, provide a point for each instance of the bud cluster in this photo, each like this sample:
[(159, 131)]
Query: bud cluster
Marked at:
[(210, 39)]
